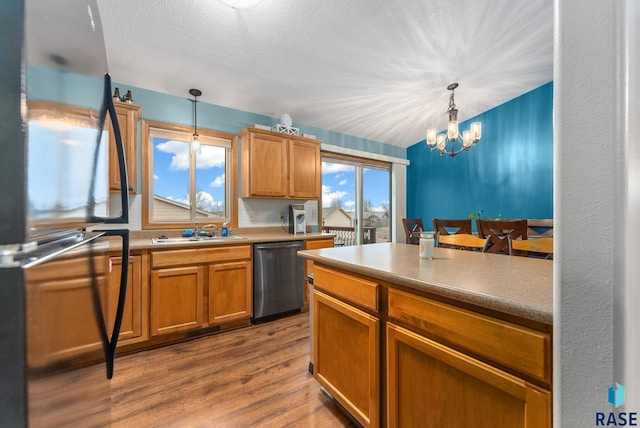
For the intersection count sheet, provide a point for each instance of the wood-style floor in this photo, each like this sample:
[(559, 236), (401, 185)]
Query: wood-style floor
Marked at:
[(252, 377)]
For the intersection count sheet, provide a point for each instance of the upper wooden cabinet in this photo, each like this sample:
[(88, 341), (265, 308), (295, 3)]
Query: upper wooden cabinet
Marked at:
[(304, 169), (276, 165), (128, 116)]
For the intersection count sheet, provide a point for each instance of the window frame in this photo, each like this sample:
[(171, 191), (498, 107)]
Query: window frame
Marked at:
[(231, 174), (360, 163)]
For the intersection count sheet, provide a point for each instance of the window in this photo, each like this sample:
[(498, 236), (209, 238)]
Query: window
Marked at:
[(181, 187), (356, 196)]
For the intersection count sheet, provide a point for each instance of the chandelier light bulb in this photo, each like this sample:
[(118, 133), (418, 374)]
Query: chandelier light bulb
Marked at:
[(431, 137), (476, 130), (452, 130)]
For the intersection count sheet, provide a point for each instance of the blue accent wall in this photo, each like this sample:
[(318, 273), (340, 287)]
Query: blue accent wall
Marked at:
[(509, 174)]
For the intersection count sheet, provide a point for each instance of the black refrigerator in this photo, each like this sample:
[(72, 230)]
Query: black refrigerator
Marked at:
[(59, 319)]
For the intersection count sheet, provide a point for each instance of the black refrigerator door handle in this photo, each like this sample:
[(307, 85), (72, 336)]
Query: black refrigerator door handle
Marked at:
[(110, 346), (122, 163)]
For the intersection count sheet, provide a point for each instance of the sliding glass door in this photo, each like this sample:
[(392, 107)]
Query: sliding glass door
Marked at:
[(355, 199)]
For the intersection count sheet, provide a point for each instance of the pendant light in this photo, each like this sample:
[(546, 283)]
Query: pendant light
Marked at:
[(195, 143)]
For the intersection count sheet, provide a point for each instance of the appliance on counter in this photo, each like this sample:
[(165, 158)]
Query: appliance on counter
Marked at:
[(278, 279), (297, 222), (58, 329)]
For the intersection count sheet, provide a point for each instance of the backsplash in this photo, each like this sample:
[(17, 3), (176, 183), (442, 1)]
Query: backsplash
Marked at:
[(251, 212), (266, 212)]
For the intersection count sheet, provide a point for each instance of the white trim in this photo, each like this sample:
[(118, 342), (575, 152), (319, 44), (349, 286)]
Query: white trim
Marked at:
[(362, 154), (186, 137)]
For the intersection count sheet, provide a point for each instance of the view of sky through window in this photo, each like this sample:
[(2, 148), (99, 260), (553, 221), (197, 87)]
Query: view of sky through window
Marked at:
[(171, 174), (338, 187)]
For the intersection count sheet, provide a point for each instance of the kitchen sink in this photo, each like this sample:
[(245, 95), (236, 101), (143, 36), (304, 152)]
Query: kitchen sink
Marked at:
[(193, 239)]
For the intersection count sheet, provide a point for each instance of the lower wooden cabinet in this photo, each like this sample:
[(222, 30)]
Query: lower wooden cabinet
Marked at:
[(61, 313), (441, 365), (230, 291), (455, 390), (346, 356), (194, 288), (176, 299), (136, 309)]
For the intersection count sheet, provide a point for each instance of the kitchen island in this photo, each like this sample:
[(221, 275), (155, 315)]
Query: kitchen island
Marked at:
[(460, 340)]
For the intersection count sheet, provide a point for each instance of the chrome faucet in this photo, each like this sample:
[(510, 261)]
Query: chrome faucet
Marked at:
[(212, 226), (196, 231)]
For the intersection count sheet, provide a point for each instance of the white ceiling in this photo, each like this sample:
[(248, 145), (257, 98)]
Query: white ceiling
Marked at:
[(376, 69)]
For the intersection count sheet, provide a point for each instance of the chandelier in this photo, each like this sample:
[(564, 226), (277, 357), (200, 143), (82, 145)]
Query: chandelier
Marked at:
[(451, 143), (195, 144)]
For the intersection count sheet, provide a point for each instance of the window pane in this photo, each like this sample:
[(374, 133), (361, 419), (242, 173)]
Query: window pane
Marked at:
[(375, 209), (339, 201), (210, 182), (170, 180)]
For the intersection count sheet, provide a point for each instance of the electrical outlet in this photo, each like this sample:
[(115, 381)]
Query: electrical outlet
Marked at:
[(281, 215), (253, 216)]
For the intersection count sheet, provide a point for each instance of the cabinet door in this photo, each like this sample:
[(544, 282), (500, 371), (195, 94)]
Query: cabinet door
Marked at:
[(304, 169), (176, 299), (264, 168), (229, 291), (429, 384), (128, 116), (346, 357), (133, 318), (66, 300)]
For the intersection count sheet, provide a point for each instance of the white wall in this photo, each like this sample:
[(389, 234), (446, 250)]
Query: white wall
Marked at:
[(398, 201), (596, 209), (627, 320)]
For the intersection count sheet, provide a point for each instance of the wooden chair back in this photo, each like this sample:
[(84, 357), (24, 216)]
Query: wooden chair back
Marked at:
[(451, 227), (412, 229), (499, 231), (537, 245), (462, 241)]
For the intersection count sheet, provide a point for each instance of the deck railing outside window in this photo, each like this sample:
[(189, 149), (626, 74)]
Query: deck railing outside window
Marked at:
[(346, 236)]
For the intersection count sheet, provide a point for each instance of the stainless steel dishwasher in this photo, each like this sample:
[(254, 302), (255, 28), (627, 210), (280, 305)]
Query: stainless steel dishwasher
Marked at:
[(278, 279)]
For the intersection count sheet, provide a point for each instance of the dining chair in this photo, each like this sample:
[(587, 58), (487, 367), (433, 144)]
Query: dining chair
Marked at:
[(451, 227), (412, 229), (540, 227), (462, 241), (537, 245), (499, 231)]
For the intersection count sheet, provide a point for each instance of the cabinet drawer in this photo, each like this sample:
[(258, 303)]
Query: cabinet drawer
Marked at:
[(521, 348), (351, 288), (200, 255), (314, 244)]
